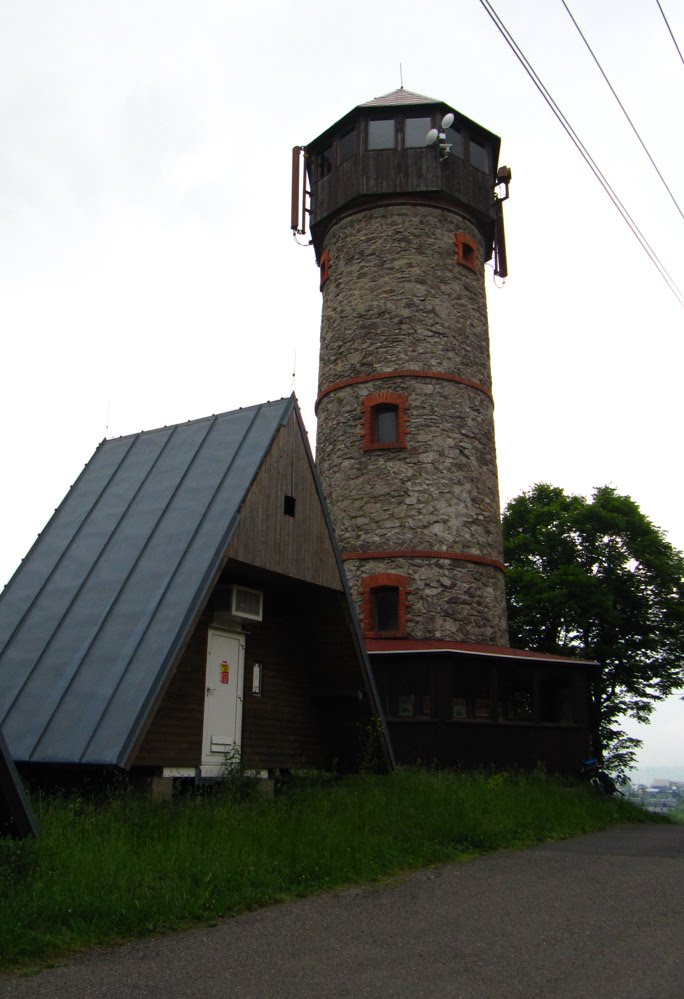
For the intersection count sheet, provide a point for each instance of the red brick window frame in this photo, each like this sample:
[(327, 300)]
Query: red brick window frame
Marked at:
[(325, 266), (381, 411), (465, 248), (379, 587)]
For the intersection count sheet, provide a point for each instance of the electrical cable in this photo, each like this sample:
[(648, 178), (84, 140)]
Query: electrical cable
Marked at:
[(622, 107), (671, 36), (638, 235)]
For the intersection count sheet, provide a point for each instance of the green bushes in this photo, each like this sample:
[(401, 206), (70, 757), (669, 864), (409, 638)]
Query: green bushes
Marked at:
[(102, 872)]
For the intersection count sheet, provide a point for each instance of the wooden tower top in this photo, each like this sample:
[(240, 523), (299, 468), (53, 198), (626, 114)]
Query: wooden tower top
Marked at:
[(378, 153)]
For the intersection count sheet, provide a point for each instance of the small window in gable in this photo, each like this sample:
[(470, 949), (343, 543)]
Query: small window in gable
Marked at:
[(465, 248), (385, 605), (384, 421)]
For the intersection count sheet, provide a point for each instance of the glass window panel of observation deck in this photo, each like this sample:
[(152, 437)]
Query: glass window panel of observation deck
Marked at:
[(478, 156), (381, 134), (415, 132), (455, 139)]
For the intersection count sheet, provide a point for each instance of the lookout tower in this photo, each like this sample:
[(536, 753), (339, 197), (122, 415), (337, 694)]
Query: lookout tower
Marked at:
[(403, 197), (402, 229)]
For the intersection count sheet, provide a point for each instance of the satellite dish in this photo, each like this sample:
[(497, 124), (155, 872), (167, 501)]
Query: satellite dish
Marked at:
[(432, 136), (447, 120)]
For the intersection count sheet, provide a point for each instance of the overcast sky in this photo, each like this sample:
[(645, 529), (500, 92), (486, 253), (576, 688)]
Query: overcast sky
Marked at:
[(148, 274)]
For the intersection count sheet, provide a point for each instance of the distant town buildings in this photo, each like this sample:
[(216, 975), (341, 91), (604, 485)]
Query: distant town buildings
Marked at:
[(662, 796)]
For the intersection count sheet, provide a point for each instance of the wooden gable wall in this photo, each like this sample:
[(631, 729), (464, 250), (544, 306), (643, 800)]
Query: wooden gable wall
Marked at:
[(298, 546)]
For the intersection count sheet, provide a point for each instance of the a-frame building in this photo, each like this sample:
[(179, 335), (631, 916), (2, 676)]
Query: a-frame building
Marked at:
[(186, 598)]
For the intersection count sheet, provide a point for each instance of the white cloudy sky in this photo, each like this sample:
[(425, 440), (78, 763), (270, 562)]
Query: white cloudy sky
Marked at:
[(148, 274)]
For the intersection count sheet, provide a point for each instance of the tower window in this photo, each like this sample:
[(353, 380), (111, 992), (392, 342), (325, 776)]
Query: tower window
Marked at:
[(465, 248), (415, 131), (455, 139), (325, 163), (325, 266), (384, 605), (347, 145), (384, 421), (381, 134), (385, 601), (478, 155)]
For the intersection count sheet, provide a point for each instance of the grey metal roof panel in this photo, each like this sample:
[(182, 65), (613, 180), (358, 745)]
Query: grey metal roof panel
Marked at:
[(92, 620)]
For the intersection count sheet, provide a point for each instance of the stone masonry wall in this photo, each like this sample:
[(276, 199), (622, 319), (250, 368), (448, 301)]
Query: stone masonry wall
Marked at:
[(454, 601), (397, 300), (441, 491)]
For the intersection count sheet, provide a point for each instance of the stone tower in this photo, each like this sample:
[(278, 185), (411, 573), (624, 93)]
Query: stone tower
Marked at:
[(405, 445)]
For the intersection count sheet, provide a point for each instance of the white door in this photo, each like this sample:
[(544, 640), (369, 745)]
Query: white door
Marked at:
[(223, 700)]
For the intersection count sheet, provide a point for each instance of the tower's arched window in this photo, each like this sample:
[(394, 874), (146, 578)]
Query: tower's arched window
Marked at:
[(385, 605), (385, 424), (465, 248), (325, 266), (384, 421)]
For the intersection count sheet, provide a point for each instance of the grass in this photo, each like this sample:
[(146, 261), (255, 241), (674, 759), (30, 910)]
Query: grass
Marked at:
[(105, 872)]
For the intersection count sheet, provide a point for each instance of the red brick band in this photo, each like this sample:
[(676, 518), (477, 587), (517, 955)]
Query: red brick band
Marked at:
[(438, 375), (415, 553)]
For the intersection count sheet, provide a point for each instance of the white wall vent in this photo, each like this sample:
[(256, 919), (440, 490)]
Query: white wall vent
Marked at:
[(247, 603)]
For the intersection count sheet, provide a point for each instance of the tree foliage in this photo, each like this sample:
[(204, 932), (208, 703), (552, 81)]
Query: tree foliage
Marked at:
[(596, 579)]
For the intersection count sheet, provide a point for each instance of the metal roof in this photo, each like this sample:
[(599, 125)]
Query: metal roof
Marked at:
[(397, 97), (388, 646), (91, 622)]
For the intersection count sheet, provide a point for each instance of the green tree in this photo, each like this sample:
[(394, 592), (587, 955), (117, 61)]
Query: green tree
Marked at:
[(597, 580)]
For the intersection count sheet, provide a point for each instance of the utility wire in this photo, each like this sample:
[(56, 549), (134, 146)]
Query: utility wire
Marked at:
[(622, 107), (673, 39), (639, 236)]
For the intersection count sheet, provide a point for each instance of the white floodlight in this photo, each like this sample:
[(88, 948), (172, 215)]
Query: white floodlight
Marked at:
[(432, 136), (447, 120)]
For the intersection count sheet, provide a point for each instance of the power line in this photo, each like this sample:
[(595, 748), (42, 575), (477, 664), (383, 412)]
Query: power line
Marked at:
[(670, 30), (639, 236), (622, 107)]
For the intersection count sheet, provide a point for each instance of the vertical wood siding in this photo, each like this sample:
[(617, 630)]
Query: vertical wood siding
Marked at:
[(306, 650), (298, 546)]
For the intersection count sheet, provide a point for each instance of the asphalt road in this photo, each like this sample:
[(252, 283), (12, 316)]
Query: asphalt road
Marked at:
[(600, 916)]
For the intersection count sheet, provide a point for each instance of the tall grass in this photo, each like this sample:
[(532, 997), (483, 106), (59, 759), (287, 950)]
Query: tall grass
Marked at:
[(101, 873)]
